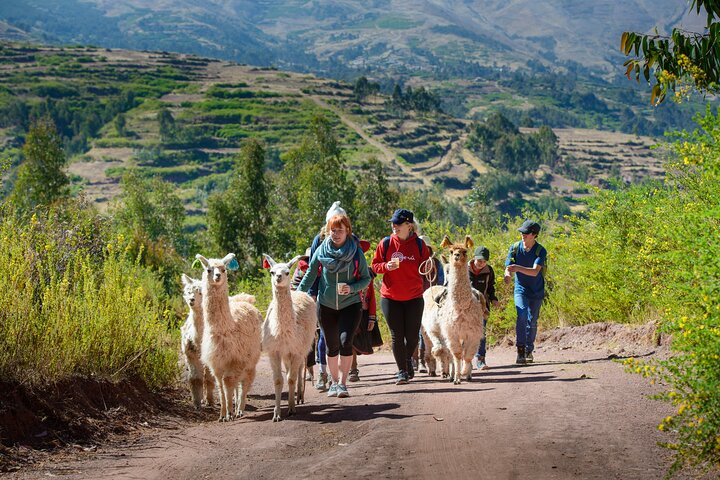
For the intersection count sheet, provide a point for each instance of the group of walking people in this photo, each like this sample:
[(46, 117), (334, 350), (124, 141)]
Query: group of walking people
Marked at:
[(337, 275)]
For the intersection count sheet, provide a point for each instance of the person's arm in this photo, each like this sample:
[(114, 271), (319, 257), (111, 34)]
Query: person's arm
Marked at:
[(372, 306), (507, 276), (492, 297), (362, 282), (533, 271), (379, 265)]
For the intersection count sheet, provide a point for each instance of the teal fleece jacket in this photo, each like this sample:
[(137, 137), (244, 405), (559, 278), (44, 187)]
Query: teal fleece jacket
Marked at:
[(327, 289)]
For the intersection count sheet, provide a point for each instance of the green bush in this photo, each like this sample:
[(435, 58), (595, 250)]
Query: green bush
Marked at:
[(73, 302)]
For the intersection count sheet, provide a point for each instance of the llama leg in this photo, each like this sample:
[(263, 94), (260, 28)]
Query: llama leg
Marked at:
[(209, 387), (275, 361), (195, 372), (301, 383), (230, 386), (292, 368), (223, 400)]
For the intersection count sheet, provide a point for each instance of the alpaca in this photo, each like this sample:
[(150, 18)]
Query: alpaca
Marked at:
[(461, 314), (288, 333), (191, 341), (436, 349), (231, 340)]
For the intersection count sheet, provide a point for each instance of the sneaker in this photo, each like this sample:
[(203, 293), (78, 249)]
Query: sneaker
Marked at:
[(529, 357), (354, 376), (481, 365), (401, 378), (410, 370), (342, 391), (333, 390), (322, 383), (309, 377), (423, 367)]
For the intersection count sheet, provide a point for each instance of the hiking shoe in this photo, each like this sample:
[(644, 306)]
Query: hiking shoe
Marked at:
[(354, 376), (481, 365), (529, 357), (342, 391), (322, 383), (333, 390), (423, 367), (520, 356), (410, 370), (401, 378)]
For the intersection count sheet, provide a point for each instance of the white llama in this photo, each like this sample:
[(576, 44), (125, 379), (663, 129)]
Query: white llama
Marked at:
[(191, 341), (461, 313), (288, 334), (231, 339)]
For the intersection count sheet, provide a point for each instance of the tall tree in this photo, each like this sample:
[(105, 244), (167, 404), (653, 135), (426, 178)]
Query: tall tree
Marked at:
[(374, 200), (41, 177), (314, 176), (239, 218), (679, 61), (149, 207)]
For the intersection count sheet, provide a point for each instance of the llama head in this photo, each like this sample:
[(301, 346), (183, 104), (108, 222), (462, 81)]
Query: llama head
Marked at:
[(457, 252), (192, 291), (279, 272), (215, 270)]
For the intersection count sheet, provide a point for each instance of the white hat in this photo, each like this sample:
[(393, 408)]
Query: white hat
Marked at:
[(335, 209)]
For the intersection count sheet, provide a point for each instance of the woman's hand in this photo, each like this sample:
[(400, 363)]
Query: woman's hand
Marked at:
[(371, 324)]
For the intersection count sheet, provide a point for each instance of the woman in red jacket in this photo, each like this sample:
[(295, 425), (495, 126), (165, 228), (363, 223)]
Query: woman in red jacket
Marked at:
[(398, 258)]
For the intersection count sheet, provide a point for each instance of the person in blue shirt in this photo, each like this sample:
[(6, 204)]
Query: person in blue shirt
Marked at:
[(525, 261)]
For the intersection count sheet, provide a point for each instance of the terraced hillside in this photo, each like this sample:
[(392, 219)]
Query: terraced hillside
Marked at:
[(183, 118)]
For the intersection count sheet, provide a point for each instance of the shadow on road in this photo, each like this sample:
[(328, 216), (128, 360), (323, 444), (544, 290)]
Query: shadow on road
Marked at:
[(337, 412)]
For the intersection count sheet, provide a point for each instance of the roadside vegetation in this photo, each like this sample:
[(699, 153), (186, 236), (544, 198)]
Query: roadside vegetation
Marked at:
[(98, 294)]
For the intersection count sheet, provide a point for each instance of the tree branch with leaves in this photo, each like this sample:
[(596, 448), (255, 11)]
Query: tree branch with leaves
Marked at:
[(679, 62)]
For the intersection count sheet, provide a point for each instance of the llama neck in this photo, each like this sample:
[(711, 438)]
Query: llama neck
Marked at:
[(216, 308), (196, 313), (284, 307), (459, 285)]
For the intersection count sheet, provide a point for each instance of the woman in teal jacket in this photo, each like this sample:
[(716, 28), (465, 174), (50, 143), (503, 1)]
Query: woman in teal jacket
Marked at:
[(343, 276)]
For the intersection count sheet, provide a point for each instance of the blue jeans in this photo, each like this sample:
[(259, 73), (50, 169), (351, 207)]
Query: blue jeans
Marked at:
[(528, 311), (483, 341)]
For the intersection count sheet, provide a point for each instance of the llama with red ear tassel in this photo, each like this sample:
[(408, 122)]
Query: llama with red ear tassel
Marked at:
[(288, 333)]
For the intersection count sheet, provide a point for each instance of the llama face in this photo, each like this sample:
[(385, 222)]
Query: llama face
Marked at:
[(280, 275), (216, 273), (279, 272), (192, 291), (458, 255)]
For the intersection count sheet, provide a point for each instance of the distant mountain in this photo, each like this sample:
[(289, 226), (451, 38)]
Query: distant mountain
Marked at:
[(400, 37)]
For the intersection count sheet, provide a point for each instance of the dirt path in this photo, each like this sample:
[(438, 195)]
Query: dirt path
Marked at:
[(570, 415)]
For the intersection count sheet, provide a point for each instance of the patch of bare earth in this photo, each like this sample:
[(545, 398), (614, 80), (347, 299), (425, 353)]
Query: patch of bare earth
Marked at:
[(574, 413)]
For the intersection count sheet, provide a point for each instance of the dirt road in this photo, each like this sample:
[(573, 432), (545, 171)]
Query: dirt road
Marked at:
[(570, 415)]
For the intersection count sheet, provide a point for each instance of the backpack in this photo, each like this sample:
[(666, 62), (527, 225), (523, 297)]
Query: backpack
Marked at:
[(536, 251), (386, 244)]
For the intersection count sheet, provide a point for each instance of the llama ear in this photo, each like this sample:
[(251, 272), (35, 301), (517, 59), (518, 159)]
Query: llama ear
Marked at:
[(186, 280), (444, 259), (228, 258), (446, 242), (469, 242), (268, 262), (203, 260), (292, 262)]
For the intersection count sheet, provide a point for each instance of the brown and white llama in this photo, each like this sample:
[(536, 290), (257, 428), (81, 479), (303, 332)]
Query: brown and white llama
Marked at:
[(459, 315), (231, 337), (288, 334), (199, 375)]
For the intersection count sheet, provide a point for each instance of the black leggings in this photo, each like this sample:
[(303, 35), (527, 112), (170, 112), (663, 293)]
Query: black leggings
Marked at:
[(339, 328), (404, 319)]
